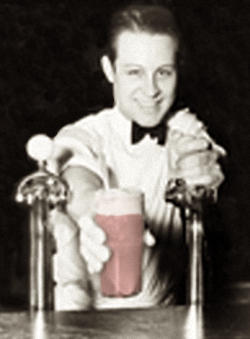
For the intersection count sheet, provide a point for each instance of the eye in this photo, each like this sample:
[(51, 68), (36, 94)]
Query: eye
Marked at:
[(165, 72), (133, 72)]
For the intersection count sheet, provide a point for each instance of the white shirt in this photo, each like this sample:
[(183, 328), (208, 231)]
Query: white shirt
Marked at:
[(102, 141)]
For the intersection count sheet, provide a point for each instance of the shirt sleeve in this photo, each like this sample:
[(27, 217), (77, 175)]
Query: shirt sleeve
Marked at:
[(82, 142)]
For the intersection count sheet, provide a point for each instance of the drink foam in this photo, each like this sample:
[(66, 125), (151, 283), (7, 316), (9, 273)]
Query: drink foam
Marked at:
[(119, 202)]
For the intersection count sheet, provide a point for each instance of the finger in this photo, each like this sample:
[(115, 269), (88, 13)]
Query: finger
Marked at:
[(208, 176), (94, 262), (197, 160), (92, 239), (93, 265), (203, 180), (189, 144), (92, 230), (198, 167), (148, 238), (100, 252)]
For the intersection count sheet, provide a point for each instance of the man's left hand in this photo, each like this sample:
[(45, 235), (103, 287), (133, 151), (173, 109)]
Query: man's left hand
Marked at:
[(196, 161)]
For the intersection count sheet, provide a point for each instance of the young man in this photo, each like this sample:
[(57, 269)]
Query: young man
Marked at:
[(142, 65)]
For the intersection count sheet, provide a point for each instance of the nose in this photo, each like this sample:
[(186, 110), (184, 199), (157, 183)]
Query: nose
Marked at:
[(151, 87)]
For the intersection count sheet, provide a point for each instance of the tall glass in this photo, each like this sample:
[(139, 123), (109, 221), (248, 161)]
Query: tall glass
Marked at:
[(120, 215)]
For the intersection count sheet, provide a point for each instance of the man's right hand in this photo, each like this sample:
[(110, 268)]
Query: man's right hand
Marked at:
[(92, 244), (81, 207)]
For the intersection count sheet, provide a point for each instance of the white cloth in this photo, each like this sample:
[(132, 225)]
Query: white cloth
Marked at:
[(102, 141)]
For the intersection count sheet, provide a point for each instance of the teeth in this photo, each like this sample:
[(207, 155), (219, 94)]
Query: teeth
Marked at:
[(148, 103)]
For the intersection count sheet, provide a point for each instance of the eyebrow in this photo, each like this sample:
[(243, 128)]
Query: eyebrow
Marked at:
[(131, 65), (138, 65)]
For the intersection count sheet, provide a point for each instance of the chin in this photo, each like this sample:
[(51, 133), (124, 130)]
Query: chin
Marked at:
[(149, 122)]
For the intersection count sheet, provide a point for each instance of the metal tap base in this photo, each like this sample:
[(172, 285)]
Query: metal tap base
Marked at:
[(41, 191), (191, 200)]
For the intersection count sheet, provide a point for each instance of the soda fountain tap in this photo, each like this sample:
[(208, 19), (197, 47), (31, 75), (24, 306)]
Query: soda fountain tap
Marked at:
[(191, 200), (41, 191)]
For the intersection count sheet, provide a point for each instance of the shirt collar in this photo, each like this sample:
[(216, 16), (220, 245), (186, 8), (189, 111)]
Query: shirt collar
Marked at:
[(123, 126)]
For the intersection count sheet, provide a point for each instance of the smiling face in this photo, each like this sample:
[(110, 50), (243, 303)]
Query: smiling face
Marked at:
[(144, 76)]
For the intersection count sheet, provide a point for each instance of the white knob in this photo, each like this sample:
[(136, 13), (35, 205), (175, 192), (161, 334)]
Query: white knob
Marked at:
[(39, 147)]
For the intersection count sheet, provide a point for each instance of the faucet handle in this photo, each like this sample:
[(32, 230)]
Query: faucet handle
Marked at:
[(39, 148), (42, 184)]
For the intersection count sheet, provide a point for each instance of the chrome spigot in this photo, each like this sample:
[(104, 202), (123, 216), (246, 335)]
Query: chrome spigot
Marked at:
[(41, 191), (42, 185), (191, 200)]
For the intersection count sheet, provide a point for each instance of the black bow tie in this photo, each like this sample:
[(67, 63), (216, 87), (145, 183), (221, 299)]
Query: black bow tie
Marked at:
[(158, 131)]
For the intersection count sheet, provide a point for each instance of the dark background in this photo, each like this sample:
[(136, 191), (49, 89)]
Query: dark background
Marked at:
[(50, 76)]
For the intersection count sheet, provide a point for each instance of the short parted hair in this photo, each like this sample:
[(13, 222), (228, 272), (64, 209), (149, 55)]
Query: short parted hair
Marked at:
[(152, 19)]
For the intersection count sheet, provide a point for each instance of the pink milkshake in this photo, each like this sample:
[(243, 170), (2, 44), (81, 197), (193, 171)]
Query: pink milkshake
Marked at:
[(120, 214)]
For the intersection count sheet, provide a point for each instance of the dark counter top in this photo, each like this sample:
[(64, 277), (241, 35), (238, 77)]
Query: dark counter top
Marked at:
[(175, 322)]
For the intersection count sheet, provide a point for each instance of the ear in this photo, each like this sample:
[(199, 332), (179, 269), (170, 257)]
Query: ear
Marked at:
[(107, 68)]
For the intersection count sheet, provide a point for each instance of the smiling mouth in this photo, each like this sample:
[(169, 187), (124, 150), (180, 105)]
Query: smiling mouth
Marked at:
[(149, 104)]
